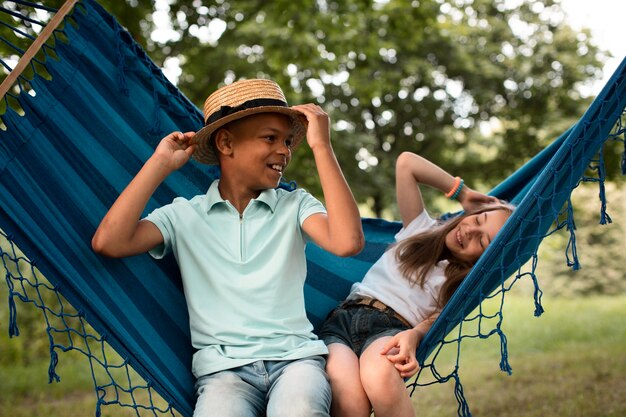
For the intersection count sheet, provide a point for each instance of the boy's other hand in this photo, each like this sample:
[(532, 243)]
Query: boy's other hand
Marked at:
[(318, 131), (175, 149)]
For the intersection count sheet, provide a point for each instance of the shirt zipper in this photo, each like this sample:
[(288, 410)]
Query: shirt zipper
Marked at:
[(241, 237)]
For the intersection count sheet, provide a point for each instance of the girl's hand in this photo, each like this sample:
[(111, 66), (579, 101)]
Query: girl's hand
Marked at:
[(472, 200), (318, 131), (175, 149), (400, 350)]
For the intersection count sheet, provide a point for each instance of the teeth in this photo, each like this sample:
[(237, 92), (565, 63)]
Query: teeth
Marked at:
[(458, 237), (277, 167)]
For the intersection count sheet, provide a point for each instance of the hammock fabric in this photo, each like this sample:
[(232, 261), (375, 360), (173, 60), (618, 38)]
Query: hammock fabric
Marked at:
[(82, 132)]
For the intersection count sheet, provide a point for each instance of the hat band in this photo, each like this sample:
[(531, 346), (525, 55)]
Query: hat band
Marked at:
[(250, 104)]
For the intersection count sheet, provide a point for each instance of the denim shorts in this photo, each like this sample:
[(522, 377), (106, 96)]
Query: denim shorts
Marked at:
[(357, 326)]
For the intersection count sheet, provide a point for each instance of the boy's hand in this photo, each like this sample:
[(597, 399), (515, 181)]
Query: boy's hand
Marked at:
[(400, 351), (175, 149), (472, 200), (318, 131)]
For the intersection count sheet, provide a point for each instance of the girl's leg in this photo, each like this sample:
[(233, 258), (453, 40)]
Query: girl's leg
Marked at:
[(349, 398), (383, 384)]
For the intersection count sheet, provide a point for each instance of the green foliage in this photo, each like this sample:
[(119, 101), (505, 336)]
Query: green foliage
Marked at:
[(477, 86), (394, 75), (600, 248)]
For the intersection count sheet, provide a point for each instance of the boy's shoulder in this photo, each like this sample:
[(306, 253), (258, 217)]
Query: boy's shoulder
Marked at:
[(195, 200), (298, 201), (181, 205), (297, 194)]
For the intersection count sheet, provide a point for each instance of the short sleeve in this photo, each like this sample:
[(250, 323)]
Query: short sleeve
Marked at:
[(422, 222), (309, 205), (164, 219)]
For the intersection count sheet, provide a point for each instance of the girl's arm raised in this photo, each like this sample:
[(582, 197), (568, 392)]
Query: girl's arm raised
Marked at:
[(413, 170)]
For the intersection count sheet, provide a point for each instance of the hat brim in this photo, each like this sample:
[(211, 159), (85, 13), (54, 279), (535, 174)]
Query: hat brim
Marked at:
[(205, 153)]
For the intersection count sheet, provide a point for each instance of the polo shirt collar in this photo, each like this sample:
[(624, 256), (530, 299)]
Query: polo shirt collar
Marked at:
[(213, 197)]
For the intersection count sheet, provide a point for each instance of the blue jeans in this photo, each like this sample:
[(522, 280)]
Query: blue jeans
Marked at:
[(266, 388)]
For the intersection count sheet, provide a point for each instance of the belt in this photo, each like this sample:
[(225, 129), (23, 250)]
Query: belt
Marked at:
[(376, 305)]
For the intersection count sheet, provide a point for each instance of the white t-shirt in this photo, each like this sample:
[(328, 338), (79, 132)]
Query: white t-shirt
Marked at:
[(385, 282)]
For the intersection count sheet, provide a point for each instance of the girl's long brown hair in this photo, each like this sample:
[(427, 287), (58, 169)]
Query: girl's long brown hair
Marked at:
[(418, 255)]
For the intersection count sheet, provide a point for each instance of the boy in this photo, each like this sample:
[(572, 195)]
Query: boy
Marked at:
[(240, 249)]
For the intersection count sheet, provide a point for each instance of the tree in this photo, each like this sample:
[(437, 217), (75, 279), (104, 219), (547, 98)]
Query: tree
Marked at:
[(478, 86), (428, 76)]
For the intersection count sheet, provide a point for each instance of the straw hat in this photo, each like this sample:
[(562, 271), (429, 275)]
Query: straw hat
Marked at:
[(238, 100)]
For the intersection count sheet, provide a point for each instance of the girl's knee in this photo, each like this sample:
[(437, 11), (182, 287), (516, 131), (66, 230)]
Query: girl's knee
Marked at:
[(381, 380), (378, 368)]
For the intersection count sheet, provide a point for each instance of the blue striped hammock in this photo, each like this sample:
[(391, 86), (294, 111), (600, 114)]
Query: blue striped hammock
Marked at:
[(84, 129)]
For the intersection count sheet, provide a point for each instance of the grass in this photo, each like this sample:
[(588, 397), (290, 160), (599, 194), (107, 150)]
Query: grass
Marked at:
[(28, 393), (569, 362)]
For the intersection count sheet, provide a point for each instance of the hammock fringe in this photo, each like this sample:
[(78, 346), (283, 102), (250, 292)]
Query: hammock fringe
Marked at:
[(13, 329), (70, 179), (537, 292), (571, 245), (54, 361), (504, 353), (463, 409)]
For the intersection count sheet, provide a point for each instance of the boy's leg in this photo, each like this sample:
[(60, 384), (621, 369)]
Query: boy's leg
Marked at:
[(298, 388), (228, 394)]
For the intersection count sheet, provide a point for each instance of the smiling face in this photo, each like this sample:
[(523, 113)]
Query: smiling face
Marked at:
[(469, 239), (259, 150)]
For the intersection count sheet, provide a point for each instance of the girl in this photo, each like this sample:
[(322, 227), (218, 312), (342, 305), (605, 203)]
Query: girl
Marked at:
[(373, 335)]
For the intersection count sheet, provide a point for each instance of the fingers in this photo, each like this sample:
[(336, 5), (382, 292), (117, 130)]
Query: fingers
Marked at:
[(318, 129), (308, 108), (311, 111), (389, 345), (181, 139), (408, 369), (177, 135), (406, 365), (190, 149), (398, 359), (399, 356)]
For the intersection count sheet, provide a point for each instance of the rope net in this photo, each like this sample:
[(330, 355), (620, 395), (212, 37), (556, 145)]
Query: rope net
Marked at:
[(60, 170)]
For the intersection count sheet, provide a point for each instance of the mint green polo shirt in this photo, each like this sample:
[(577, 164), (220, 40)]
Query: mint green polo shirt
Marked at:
[(243, 276)]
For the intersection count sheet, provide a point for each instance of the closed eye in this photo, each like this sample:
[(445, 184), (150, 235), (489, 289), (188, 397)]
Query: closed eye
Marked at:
[(484, 241)]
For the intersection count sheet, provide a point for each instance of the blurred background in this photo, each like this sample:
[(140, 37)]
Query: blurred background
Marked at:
[(477, 86)]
